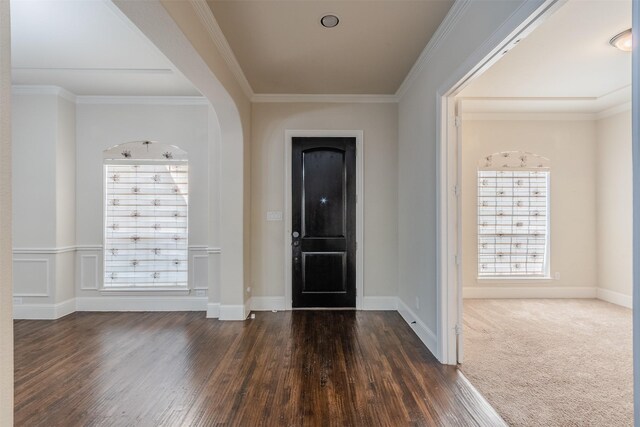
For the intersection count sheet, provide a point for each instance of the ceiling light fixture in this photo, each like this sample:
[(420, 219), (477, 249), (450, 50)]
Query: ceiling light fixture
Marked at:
[(622, 41), (329, 21)]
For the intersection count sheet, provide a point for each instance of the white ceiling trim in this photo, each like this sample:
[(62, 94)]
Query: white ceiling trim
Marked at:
[(529, 116), (614, 110), (338, 98), (215, 32), (43, 90), (441, 33), (111, 100), (143, 100)]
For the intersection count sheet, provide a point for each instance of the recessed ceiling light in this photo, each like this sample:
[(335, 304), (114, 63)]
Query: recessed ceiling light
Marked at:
[(622, 41), (329, 21)]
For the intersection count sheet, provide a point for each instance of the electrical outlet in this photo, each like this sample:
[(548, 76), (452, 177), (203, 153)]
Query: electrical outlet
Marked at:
[(17, 301), (201, 293), (417, 303), (556, 275), (249, 289)]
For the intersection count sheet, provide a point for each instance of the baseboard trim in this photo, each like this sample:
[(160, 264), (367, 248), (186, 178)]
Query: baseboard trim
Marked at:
[(380, 303), (267, 303), (615, 298), (124, 303), (232, 312), (44, 311), (425, 334), (530, 292), (213, 310)]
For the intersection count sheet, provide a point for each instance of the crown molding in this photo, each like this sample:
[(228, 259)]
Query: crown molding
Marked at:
[(323, 98), (447, 24), (43, 90), (614, 110), (524, 116), (143, 100), (215, 33)]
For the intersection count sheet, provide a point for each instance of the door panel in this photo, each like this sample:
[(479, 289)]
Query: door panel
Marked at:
[(324, 271), (323, 193), (323, 219)]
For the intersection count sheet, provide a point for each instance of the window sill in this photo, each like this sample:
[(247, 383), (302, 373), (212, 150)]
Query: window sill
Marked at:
[(522, 280), (172, 291)]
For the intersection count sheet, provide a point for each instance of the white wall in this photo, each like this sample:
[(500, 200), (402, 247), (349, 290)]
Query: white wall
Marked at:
[(379, 123), (571, 147), (615, 210), (6, 315), (34, 174)]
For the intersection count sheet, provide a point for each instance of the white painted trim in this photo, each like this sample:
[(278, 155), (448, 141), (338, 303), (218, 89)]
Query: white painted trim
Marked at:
[(142, 100), (43, 90), (622, 108), (64, 249), (48, 275), (88, 247), (380, 303), (359, 136), (247, 308), (425, 334), (141, 303), (65, 307), (615, 297), (60, 250), (232, 312), (443, 30), (326, 98), (213, 310), (521, 22), (44, 311), (267, 303), (209, 22), (482, 292), (635, 141), (530, 116)]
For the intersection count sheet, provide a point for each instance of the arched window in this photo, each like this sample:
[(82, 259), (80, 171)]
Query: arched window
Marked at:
[(146, 216), (513, 215)]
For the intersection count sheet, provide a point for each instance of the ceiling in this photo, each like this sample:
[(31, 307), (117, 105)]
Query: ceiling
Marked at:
[(565, 65), (88, 48), (282, 48)]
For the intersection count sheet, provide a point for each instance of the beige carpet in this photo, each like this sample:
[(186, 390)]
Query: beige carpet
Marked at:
[(551, 362)]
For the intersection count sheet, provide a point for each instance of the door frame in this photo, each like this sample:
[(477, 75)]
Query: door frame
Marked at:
[(448, 157), (289, 134)]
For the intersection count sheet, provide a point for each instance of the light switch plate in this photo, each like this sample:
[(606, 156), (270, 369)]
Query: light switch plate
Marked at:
[(274, 216)]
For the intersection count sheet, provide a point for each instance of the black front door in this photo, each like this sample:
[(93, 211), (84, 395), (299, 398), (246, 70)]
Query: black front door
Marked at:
[(324, 222)]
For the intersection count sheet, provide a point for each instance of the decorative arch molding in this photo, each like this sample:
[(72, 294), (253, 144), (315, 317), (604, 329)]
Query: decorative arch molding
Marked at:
[(155, 21), (514, 160), (145, 150)]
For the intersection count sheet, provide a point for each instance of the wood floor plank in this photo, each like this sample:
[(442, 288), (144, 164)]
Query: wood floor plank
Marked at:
[(301, 368)]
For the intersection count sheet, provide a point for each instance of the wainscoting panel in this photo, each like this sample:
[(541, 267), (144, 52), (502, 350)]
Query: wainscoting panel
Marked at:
[(32, 276), (89, 272)]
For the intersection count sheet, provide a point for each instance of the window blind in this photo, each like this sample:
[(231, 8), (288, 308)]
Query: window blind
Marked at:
[(146, 225), (513, 223)]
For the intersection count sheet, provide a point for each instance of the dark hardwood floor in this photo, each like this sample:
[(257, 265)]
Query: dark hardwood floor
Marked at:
[(298, 368)]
